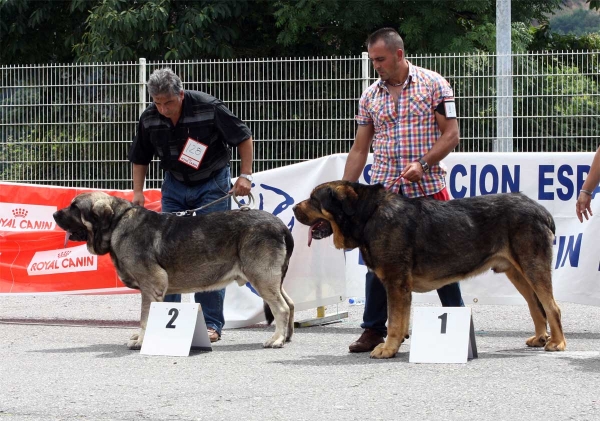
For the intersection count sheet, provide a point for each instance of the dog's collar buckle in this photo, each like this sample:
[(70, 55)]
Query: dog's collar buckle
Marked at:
[(186, 213)]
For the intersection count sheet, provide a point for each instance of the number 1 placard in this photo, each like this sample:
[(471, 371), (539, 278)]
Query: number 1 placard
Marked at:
[(174, 328), (442, 335)]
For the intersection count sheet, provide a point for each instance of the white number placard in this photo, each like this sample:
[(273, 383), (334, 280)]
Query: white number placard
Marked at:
[(193, 153), (450, 108), (175, 328), (442, 335)]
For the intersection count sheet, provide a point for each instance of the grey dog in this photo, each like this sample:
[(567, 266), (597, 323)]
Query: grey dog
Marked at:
[(161, 254)]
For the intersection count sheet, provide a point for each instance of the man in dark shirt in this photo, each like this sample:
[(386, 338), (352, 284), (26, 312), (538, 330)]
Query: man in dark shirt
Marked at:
[(191, 132)]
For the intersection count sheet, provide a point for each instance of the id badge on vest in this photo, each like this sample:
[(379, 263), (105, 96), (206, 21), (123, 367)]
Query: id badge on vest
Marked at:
[(192, 153)]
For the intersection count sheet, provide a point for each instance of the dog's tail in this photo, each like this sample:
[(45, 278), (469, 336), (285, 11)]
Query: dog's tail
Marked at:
[(289, 248), (551, 223), (546, 216)]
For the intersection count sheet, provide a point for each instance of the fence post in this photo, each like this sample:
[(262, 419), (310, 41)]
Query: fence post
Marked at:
[(142, 94), (504, 79), (365, 70), (142, 87)]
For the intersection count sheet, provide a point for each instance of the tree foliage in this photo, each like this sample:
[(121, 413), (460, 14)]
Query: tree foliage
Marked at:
[(543, 38), (122, 30), (578, 22), (433, 26), (40, 31), (594, 4), (118, 30)]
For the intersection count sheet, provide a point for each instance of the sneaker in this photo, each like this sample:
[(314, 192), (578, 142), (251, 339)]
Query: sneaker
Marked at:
[(213, 335)]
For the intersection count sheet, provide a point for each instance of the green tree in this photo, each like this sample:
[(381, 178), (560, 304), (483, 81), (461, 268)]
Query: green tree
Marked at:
[(122, 30), (578, 22), (118, 30), (40, 31), (433, 26)]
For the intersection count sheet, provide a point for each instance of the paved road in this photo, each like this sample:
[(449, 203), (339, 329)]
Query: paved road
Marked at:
[(80, 369)]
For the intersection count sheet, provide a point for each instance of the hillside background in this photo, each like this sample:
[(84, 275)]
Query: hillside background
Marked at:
[(575, 18)]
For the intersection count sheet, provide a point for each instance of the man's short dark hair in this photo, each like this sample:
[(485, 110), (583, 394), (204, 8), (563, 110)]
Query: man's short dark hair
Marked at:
[(164, 81), (390, 37)]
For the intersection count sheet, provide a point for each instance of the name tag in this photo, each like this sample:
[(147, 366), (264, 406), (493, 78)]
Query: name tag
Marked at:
[(450, 107), (192, 153)]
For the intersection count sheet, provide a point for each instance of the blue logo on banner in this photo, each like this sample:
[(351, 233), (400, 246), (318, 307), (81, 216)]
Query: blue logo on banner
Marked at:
[(573, 247), (567, 189), (367, 173), (487, 181), (283, 205)]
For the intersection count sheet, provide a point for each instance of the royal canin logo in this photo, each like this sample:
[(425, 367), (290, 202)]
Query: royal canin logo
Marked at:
[(25, 217), (19, 213), (75, 259)]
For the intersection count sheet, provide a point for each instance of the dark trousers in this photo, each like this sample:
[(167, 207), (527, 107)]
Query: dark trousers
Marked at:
[(375, 314)]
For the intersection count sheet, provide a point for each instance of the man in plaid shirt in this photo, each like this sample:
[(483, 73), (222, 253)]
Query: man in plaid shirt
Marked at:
[(409, 118)]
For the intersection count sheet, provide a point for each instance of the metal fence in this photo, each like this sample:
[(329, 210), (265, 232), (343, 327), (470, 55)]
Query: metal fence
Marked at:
[(72, 124)]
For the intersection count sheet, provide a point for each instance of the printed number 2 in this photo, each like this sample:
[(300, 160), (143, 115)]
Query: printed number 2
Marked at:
[(175, 313), (444, 319)]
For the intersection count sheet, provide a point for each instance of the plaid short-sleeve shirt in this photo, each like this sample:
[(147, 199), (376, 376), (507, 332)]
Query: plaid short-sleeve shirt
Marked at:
[(405, 133)]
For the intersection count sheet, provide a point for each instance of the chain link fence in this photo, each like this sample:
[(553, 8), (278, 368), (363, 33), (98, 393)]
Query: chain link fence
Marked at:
[(72, 124)]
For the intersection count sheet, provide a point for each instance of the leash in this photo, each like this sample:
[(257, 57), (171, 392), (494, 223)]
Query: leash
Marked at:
[(243, 206), (418, 184)]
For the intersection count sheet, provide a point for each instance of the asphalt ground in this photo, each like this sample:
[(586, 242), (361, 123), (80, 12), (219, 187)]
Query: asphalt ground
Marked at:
[(64, 358)]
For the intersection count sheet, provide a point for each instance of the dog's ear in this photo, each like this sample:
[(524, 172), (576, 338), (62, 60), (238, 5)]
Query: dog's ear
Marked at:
[(97, 216), (347, 196)]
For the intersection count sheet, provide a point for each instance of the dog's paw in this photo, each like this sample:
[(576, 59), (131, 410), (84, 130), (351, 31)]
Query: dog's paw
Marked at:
[(537, 341), (135, 343), (555, 346), (275, 341), (381, 351)]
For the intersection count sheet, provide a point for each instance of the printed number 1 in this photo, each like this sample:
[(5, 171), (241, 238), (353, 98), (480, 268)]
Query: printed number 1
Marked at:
[(444, 319), (175, 313)]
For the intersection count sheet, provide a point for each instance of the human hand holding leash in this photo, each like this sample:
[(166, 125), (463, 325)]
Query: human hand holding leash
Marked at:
[(241, 187), (138, 198), (413, 172)]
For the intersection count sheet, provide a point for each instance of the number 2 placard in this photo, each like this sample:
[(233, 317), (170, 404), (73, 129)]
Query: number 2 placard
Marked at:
[(442, 335), (175, 328)]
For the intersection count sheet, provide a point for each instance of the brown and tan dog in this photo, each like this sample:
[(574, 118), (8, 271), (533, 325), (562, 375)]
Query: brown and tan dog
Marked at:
[(423, 244)]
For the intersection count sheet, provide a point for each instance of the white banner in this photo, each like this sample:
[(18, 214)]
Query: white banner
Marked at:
[(316, 275), (322, 275)]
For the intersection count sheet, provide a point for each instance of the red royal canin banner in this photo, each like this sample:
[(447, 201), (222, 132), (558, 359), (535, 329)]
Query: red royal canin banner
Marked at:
[(33, 256)]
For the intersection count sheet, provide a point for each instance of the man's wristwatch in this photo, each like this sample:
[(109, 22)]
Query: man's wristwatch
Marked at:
[(424, 164), (247, 177)]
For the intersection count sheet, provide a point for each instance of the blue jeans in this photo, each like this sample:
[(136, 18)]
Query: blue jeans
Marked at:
[(375, 314), (177, 197)]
